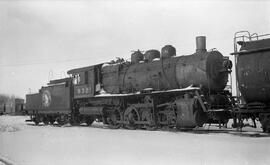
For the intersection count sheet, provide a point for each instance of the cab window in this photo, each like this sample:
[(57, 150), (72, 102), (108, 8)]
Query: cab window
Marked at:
[(76, 79)]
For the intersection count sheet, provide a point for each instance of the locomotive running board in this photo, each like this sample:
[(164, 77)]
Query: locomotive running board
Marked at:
[(153, 92)]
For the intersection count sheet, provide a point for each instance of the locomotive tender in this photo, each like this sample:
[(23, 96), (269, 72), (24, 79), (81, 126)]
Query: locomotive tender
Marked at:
[(154, 90), (252, 78)]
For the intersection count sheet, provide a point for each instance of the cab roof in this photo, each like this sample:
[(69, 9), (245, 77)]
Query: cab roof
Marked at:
[(77, 70)]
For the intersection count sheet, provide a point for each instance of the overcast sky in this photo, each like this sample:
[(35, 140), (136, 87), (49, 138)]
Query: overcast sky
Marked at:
[(42, 37)]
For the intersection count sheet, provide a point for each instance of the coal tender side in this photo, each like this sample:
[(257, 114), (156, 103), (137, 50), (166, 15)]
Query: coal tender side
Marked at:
[(253, 78)]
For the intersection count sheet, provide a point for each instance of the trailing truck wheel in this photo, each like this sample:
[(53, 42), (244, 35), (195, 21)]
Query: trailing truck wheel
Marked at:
[(89, 121), (62, 120), (266, 128), (113, 118), (45, 121), (265, 122), (52, 121), (36, 121)]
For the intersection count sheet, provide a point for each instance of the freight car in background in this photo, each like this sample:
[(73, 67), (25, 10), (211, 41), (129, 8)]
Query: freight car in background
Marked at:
[(151, 91), (12, 107), (252, 61)]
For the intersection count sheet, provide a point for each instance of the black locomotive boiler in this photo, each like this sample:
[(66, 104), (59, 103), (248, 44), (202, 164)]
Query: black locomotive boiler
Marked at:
[(152, 90)]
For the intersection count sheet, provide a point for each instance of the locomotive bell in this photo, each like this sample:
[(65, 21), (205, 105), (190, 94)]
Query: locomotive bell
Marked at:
[(200, 44)]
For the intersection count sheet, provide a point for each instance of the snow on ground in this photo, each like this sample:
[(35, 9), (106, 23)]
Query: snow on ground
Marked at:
[(26, 144)]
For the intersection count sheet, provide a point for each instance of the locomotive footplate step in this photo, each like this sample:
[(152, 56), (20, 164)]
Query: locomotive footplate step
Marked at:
[(29, 120)]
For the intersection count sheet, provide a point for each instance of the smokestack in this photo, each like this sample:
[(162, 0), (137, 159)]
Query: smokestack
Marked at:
[(200, 44)]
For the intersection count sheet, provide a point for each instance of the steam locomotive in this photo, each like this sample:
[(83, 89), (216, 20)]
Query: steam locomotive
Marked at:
[(153, 90)]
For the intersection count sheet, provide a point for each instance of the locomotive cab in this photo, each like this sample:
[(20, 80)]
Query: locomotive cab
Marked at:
[(86, 81)]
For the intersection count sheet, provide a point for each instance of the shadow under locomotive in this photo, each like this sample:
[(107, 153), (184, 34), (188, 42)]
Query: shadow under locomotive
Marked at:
[(203, 130)]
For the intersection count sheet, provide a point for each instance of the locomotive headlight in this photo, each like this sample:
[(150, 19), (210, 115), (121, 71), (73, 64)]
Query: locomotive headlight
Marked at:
[(227, 64)]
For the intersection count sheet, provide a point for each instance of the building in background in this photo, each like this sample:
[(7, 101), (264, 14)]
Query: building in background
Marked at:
[(12, 106)]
